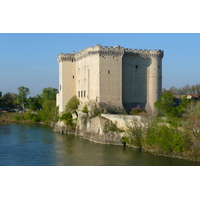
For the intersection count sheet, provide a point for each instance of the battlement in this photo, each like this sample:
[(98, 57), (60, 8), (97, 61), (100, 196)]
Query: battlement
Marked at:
[(145, 52), (113, 51), (66, 57)]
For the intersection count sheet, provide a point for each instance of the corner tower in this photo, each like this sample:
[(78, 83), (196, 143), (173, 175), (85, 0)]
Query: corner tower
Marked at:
[(154, 78), (141, 78), (67, 79)]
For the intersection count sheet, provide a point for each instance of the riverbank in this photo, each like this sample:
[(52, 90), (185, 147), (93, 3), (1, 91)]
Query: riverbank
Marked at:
[(26, 117), (150, 134)]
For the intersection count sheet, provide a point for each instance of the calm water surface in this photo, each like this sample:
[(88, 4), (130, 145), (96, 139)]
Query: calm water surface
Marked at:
[(39, 145)]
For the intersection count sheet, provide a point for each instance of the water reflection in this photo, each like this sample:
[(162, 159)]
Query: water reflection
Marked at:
[(38, 145)]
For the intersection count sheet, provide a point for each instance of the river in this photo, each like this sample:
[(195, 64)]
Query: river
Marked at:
[(39, 145)]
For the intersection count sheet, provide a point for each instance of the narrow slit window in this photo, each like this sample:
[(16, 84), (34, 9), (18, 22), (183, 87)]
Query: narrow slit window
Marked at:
[(136, 66), (109, 72)]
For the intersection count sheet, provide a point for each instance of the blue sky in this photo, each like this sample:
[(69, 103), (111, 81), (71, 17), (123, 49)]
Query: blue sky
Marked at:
[(30, 59)]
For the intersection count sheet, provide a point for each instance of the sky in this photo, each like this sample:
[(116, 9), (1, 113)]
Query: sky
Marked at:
[(30, 59)]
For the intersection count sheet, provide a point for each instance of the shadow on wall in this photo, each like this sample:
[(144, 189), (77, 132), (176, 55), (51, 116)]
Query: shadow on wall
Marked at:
[(134, 80)]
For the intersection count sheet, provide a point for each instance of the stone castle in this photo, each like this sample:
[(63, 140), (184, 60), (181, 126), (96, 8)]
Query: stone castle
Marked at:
[(115, 76)]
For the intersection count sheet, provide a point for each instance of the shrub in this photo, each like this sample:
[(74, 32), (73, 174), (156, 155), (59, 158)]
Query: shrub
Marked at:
[(72, 105), (166, 140), (109, 126), (19, 117), (67, 118), (85, 109), (136, 111)]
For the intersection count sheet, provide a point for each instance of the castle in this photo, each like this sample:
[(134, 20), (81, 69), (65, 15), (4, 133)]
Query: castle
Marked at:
[(116, 76)]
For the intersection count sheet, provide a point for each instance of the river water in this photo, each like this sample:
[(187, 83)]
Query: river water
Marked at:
[(39, 145)]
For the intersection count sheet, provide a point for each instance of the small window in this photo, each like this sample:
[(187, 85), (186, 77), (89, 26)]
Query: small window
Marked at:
[(84, 93), (136, 66), (81, 94), (109, 72), (73, 76), (78, 93), (60, 87)]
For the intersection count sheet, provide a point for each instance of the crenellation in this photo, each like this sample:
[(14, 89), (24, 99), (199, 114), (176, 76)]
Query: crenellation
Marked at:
[(66, 57)]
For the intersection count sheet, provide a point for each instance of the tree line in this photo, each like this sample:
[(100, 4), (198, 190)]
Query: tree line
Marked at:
[(40, 108), (185, 90)]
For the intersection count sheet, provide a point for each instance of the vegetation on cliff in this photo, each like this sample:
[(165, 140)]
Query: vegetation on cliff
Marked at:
[(67, 115), (174, 132)]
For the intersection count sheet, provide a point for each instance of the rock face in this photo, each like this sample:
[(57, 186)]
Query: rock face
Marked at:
[(95, 129)]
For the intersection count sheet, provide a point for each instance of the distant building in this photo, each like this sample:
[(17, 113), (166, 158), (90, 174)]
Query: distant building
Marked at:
[(191, 96), (116, 76)]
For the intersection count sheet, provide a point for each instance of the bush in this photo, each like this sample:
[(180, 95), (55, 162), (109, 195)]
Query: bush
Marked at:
[(85, 109), (19, 117), (166, 140), (67, 118), (72, 105), (110, 127), (136, 111)]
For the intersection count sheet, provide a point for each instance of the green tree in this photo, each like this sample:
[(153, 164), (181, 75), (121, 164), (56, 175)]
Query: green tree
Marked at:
[(48, 113), (9, 100), (22, 95), (35, 103), (49, 93), (166, 105)]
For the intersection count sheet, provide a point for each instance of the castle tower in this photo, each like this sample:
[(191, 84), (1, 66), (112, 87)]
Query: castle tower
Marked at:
[(141, 78), (154, 78), (67, 79), (115, 76)]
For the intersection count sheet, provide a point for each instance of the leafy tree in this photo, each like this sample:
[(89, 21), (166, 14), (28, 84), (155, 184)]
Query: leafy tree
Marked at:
[(165, 105), (22, 96), (48, 113), (35, 103), (49, 93), (9, 100)]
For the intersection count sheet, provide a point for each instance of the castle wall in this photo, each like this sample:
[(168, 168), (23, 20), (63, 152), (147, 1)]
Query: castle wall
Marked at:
[(110, 75), (67, 80), (87, 77), (134, 80)]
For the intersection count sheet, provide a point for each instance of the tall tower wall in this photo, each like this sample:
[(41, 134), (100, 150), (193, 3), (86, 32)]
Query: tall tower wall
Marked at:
[(110, 76), (154, 79), (141, 78), (67, 79), (87, 74)]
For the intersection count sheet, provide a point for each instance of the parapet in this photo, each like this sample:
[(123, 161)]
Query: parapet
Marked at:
[(145, 52), (98, 49), (66, 57), (113, 51)]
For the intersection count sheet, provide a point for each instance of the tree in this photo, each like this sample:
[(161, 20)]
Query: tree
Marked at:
[(48, 113), (165, 105), (35, 103), (49, 93), (9, 100), (22, 96)]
